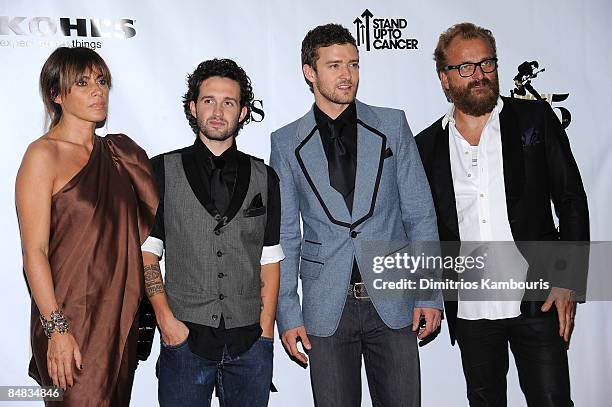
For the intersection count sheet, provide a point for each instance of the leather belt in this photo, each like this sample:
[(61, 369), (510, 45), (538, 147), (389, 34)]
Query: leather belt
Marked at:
[(358, 291)]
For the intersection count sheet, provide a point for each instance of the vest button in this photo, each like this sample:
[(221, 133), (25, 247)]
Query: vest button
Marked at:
[(214, 317), (354, 234), (221, 296), (220, 275), (219, 253), (217, 232)]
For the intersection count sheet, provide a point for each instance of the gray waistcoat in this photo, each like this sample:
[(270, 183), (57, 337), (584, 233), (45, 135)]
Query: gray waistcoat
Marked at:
[(212, 273)]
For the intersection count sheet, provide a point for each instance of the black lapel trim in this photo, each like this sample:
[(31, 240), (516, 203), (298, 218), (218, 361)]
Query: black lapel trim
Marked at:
[(383, 147), (241, 187), (512, 154), (318, 195), (198, 184), (311, 183), (443, 185), (310, 261)]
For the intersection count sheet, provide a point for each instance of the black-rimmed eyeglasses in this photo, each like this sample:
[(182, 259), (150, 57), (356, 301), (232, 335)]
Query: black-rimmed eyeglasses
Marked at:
[(467, 69)]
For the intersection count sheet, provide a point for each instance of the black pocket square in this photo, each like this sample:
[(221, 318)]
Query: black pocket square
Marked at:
[(388, 153), (256, 207), (256, 202), (531, 137)]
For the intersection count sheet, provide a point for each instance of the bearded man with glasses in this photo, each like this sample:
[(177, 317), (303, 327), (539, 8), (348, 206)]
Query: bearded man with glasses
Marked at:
[(494, 165)]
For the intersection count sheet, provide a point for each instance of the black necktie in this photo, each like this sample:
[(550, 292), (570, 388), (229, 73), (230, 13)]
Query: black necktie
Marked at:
[(218, 188), (341, 164)]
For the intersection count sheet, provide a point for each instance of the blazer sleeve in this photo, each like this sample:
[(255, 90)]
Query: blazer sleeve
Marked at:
[(418, 212), (570, 202), (567, 191), (288, 311)]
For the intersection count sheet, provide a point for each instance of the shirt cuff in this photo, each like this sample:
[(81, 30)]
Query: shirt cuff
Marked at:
[(271, 254), (153, 245)]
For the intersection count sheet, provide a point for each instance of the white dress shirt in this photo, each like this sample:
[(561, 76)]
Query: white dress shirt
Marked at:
[(480, 195), (269, 254)]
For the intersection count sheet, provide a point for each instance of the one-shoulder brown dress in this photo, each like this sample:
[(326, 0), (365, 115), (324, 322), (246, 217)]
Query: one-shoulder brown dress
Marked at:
[(98, 221)]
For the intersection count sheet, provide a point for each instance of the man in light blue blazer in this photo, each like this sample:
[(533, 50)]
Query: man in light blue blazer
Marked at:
[(353, 173)]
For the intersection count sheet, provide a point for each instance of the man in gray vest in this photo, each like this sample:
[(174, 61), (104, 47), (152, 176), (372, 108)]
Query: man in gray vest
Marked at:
[(218, 223)]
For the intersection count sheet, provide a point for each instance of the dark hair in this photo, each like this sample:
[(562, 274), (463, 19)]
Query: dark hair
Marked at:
[(466, 31), (323, 36), (224, 68), (61, 70)]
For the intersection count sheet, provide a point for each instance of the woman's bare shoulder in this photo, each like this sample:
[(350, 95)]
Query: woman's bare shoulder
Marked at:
[(44, 147), (42, 154)]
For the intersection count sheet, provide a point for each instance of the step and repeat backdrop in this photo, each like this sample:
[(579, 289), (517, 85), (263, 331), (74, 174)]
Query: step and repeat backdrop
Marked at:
[(562, 47)]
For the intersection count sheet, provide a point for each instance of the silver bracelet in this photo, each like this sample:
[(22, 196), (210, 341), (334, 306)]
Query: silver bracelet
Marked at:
[(57, 323)]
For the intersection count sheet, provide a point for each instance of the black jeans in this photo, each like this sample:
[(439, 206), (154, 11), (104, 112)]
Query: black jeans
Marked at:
[(540, 355), (391, 361)]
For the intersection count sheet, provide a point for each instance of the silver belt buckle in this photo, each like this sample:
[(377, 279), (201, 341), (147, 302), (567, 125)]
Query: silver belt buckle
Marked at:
[(355, 291)]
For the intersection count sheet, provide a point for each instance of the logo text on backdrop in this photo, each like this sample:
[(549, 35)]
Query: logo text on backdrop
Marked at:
[(27, 32), (382, 33)]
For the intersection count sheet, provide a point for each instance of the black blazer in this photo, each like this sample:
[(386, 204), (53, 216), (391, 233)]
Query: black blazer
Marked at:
[(538, 167)]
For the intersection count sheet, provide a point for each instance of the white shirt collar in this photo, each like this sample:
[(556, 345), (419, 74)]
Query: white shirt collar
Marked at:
[(449, 117)]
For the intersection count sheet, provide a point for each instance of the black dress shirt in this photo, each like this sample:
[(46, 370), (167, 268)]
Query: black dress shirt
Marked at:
[(347, 123), (206, 341)]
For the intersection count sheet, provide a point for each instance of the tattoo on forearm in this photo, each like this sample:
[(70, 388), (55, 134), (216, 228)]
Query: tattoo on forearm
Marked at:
[(153, 280), (265, 310), (262, 297)]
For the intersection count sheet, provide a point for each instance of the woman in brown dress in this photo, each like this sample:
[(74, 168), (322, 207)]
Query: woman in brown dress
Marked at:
[(85, 204)]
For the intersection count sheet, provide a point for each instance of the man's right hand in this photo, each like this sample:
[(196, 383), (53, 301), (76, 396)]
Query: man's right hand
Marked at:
[(173, 331), (290, 338)]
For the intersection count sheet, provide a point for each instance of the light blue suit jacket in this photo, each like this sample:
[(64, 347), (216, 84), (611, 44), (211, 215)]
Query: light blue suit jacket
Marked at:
[(392, 202)]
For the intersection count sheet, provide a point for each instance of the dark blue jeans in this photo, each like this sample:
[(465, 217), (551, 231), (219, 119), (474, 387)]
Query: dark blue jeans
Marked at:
[(391, 360), (188, 380)]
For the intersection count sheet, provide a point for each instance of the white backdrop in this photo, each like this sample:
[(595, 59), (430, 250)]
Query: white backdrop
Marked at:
[(569, 39)]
